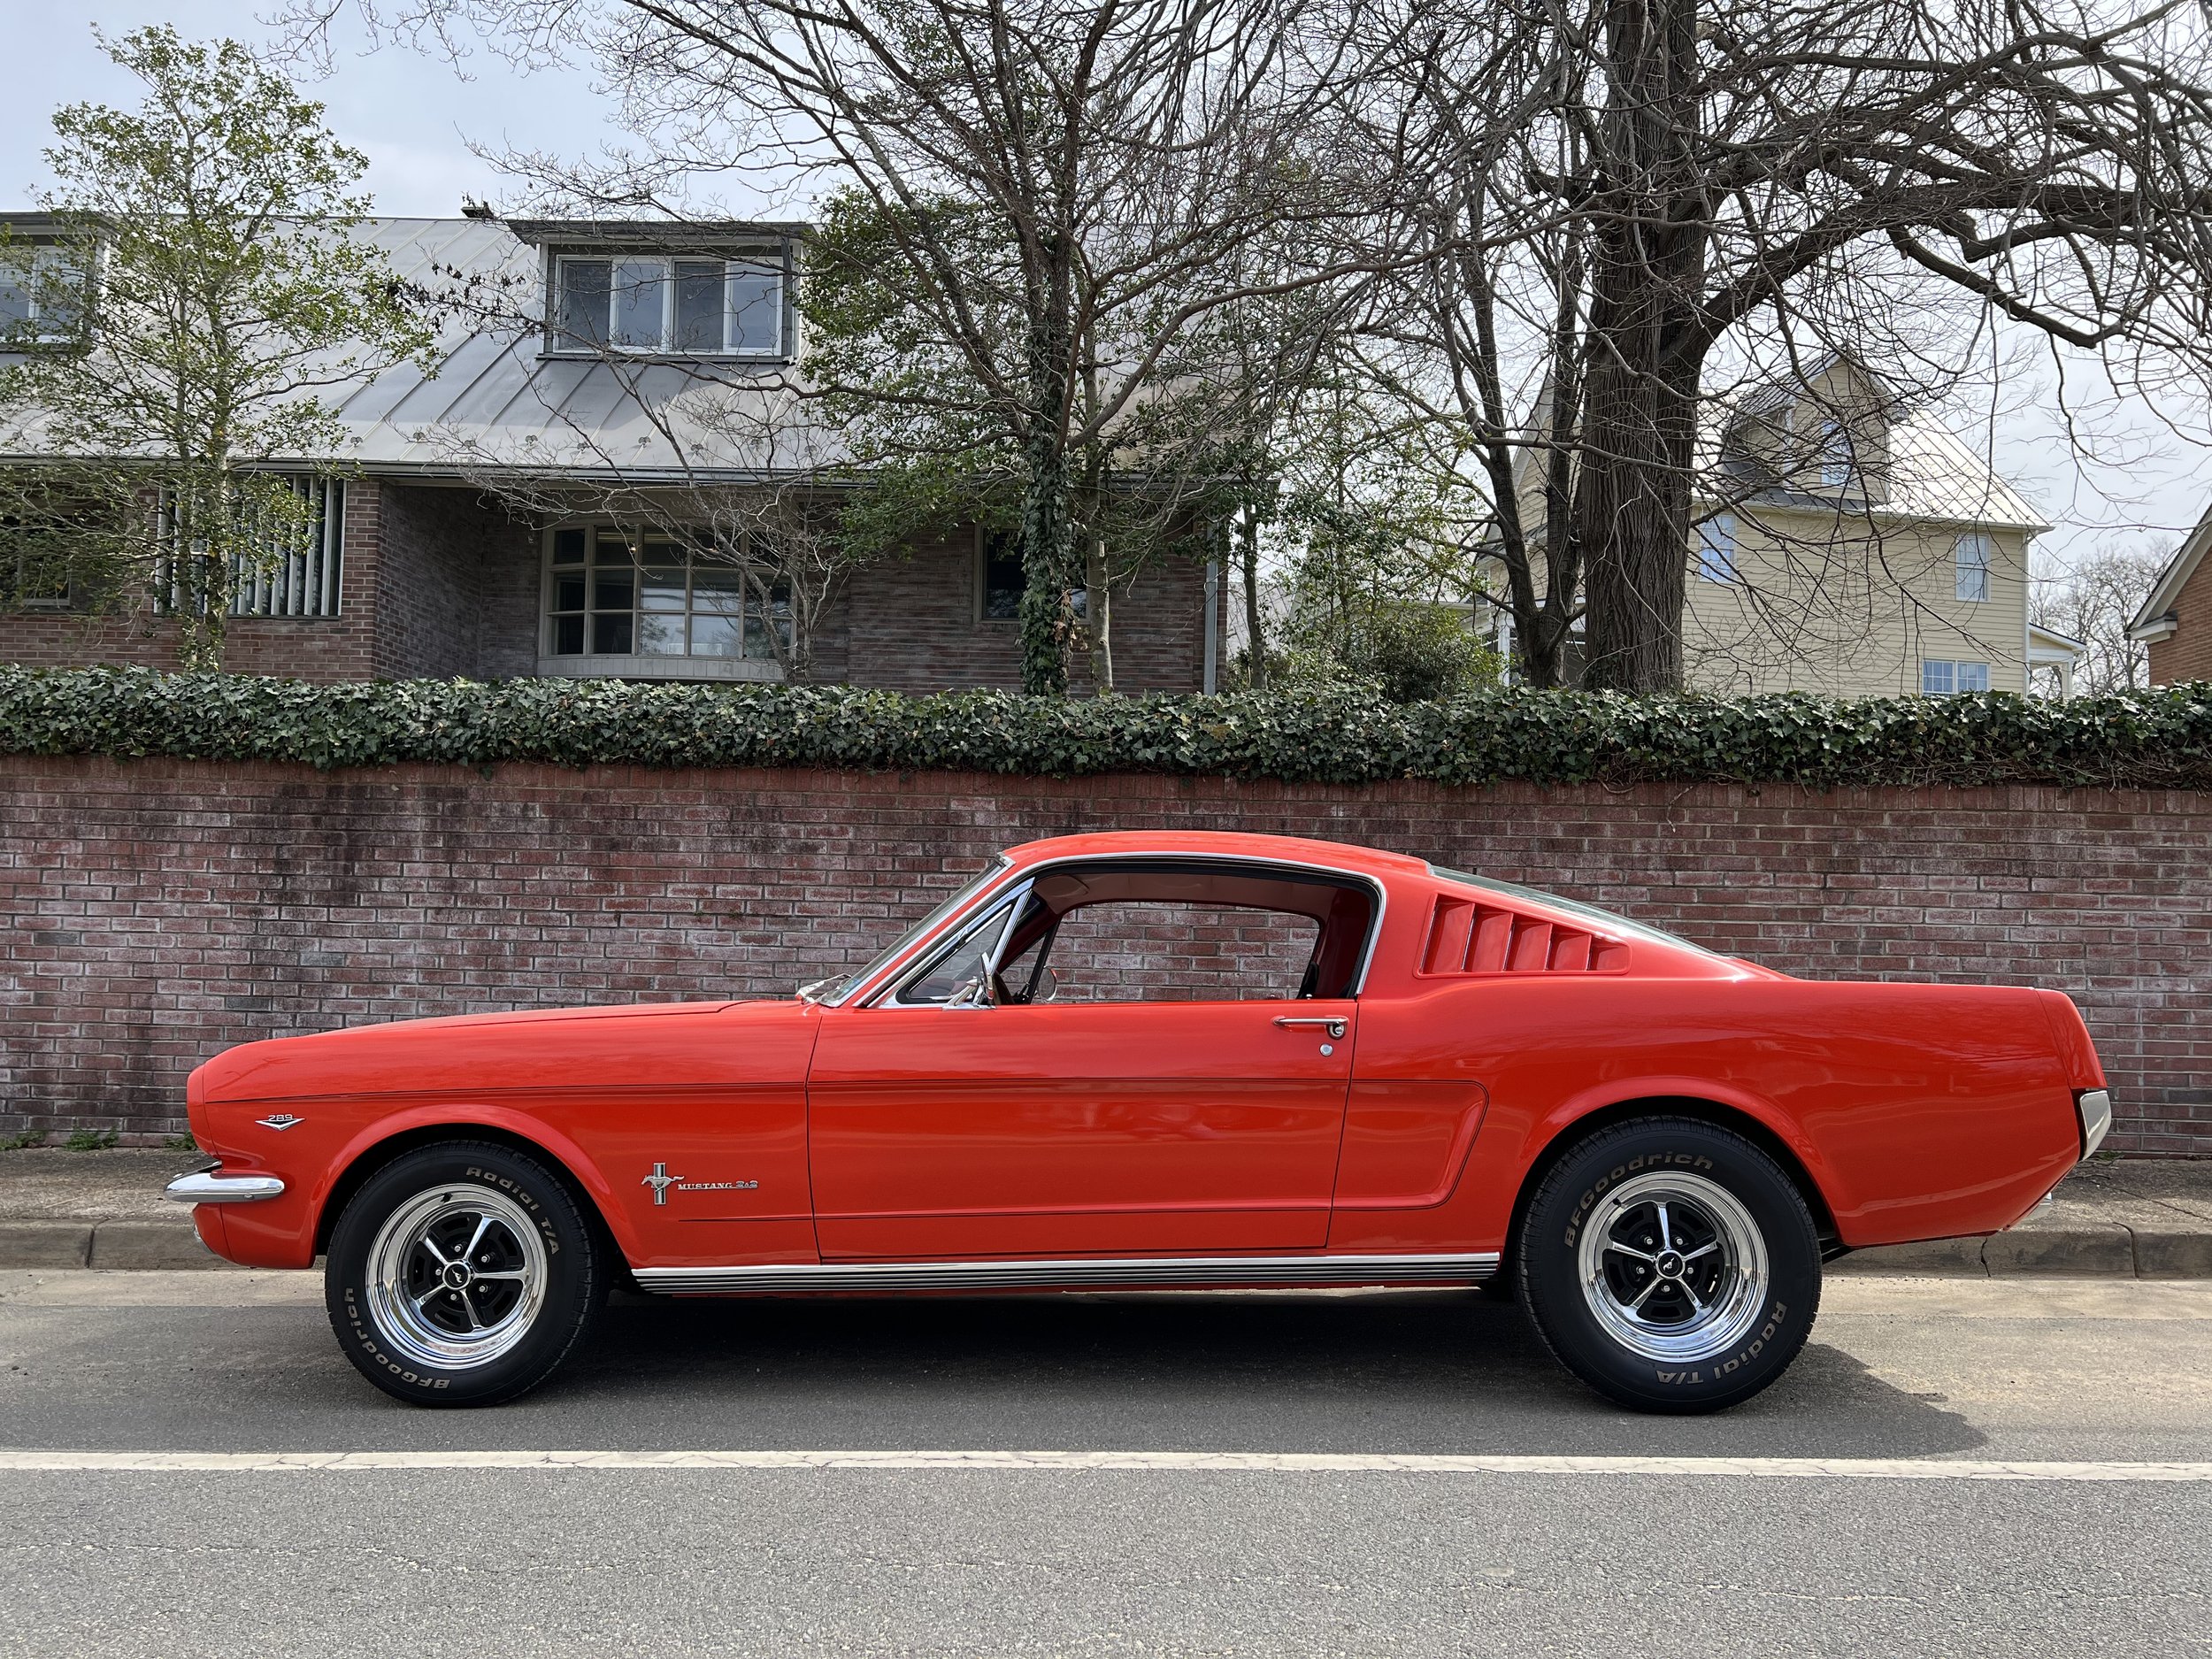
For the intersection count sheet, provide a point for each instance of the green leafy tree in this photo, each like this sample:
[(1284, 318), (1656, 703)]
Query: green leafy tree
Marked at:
[(221, 293)]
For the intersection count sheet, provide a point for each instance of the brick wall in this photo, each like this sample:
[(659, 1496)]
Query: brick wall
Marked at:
[(910, 624), (2187, 653), (160, 910)]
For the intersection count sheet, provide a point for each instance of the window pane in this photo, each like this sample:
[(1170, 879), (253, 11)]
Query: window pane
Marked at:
[(699, 305), (714, 635), (611, 589), (59, 292), (612, 548), (661, 635), (1001, 577), (662, 586), (1716, 549), (15, 296), (757, 643), (568, 636), (1935, 678), (1138, 952), (568, 546), (583, 314), (610, 634), (568, 592), (1972, 557), (640, 296), (1973, 676), (718, 588), (756, 309)]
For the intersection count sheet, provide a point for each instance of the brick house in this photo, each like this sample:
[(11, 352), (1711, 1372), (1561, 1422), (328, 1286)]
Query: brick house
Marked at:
[(423, 566), (2176, 621)]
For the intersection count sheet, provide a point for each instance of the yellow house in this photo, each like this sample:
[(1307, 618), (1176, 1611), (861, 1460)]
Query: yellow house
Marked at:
[(1845, 547)]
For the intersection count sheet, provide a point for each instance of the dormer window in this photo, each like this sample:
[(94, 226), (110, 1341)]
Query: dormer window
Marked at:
[(41, 296), (1835, 455), (669, 305)]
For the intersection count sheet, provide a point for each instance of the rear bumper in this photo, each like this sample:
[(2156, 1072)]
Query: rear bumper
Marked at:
[(2094, 1108)]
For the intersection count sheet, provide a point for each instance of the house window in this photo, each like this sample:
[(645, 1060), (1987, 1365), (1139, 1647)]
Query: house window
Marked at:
[(1971, 560), (296, 569), (41, 296), (1941, 679), (1835, 455), (669, 306), (1002, 580), (1716, 549), (612, 592)]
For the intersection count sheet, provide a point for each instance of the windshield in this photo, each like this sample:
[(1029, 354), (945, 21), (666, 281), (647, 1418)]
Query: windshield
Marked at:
[(838, 990), (1613, 923)]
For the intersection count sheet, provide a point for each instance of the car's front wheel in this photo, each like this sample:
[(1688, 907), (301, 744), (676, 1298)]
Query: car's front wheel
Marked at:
[(462, 1273), (1671, 1264)]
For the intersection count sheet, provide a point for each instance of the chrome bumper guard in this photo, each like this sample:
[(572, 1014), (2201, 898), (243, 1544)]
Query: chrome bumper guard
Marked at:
[(2095, 1109), (204, 1187)]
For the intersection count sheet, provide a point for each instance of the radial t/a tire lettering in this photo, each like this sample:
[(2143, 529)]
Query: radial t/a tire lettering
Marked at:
[(461, 1274), (1671, 1264)]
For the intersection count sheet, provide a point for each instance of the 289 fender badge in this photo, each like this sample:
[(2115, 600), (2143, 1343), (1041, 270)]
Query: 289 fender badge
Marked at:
[(279, 1120)]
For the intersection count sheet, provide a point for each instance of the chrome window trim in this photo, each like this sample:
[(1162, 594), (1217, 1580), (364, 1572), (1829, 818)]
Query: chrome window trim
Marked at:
[(928, 965), (1137, 1272), (864, 994)]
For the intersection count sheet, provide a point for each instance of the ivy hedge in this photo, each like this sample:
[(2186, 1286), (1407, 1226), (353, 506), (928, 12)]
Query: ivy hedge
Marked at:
[(2160, 739)]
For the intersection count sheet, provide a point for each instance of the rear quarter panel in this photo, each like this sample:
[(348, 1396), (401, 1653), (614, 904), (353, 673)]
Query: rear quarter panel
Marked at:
[(1920, 1112)]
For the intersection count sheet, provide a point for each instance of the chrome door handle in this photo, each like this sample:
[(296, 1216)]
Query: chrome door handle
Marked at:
[(1334, 1027)]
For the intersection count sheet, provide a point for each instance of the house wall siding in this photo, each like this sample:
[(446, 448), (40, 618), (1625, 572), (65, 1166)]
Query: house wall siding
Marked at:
[(161, 910)]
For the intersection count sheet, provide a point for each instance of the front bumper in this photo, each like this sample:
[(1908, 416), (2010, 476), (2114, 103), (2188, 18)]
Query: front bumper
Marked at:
[(2093, 1107), (204, 1187)]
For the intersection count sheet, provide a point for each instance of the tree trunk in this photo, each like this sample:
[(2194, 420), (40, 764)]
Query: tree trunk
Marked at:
[(1254, 641), (1638, 429), (1045, 550), (1098, 614)]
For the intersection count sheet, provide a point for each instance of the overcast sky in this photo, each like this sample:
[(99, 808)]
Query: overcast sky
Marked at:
[(416, 117)]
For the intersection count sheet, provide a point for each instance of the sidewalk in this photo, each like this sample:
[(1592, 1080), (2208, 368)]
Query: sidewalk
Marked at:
[(2135, 1219)]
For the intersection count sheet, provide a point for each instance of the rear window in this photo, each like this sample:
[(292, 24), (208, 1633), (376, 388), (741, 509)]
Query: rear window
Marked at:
[(1617, 925)]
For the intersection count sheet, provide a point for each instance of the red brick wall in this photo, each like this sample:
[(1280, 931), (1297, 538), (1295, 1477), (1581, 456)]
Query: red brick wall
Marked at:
[(911, 625), (2187, 653), (161, 910)]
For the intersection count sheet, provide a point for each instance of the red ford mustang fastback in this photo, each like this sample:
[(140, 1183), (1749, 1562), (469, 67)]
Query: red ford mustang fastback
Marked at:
[(1163, 1059)]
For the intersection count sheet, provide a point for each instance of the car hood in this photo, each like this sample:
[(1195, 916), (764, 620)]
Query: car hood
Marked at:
[(480, 1054)]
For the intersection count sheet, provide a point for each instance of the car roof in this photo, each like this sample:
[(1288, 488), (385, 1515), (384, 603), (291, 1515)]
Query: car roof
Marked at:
[(1220, 844)]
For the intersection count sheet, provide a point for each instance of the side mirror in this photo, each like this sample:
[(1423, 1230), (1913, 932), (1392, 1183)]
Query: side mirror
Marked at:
[(1046, 986), (974, 992)]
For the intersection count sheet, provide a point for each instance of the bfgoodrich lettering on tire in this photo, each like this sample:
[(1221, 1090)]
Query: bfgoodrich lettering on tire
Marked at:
[(1671, 1264), (462, 1274)]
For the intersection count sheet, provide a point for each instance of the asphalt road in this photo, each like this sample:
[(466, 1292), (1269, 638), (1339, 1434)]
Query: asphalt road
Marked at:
[(1706, 1558)]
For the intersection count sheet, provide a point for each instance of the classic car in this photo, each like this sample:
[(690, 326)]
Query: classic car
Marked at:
[(1148, 1060)]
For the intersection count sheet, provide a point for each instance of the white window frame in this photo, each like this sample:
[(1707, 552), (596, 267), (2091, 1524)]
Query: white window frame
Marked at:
[(1838, 464), (589, 664), (1717, 551), (47, 258), (1971, 557), (1953, 673), (760, 261)]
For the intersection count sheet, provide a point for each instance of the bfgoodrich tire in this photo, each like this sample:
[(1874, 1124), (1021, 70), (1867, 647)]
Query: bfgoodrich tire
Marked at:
[(1671, 1264), (462, 1274)]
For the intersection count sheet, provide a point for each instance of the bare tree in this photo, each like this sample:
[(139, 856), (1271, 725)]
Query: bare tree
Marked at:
[(2094, 602), (1701, 195)]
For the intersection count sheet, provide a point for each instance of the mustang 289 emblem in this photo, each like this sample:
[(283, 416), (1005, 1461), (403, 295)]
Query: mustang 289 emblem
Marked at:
[(660, 1181)]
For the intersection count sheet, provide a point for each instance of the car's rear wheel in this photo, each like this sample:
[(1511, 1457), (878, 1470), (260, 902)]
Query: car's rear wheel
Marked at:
[(462, 1273), (1671, 1264)]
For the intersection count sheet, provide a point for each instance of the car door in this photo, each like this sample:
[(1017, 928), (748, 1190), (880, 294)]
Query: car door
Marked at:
[(970, 1129)]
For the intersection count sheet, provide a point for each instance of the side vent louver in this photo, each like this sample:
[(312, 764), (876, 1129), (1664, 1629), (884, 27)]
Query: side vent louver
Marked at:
[(1469, 938)]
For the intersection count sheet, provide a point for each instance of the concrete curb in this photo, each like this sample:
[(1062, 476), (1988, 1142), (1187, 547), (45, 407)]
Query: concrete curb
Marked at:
[(112, 1244), (2109, 1251)]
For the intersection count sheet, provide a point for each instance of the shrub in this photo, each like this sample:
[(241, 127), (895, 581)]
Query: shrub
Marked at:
[(1328, 735)]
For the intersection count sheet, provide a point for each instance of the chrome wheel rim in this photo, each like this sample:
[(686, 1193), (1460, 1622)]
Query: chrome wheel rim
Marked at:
[(457, 1276), (1673, 1267)]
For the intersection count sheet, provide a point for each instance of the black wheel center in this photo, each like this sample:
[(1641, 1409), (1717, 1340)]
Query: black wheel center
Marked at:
[(456, 1275), (1670, 1264)]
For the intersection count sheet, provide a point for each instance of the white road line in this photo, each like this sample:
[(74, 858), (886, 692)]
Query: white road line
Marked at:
[(1274, 1462)]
